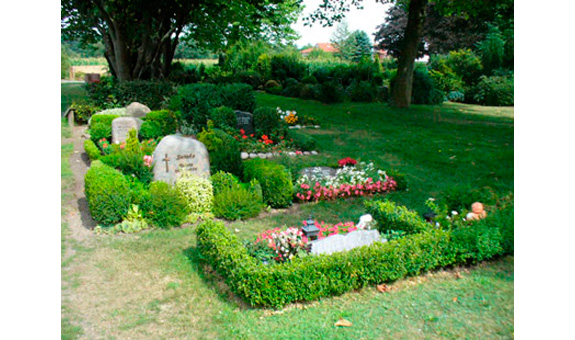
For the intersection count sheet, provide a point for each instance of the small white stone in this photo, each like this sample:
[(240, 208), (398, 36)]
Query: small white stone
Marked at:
[(291, 153), (314, 153), (245, 155), (262, 155), (253, 155), (307, 153), (316, 126)]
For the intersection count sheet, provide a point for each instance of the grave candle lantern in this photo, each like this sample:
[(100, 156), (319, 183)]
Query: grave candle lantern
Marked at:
[(310, 230)]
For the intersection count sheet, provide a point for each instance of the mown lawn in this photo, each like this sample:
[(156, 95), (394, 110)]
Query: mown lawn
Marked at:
[(152, 285)]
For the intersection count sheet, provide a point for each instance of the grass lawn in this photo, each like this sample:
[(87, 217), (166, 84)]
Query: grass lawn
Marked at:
[(151, 285)]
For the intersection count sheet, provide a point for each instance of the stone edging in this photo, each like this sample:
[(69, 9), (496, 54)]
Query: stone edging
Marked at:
[(246, 155), (304, 127)]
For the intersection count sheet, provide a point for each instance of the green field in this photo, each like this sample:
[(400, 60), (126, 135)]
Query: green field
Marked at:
[(152, 285)]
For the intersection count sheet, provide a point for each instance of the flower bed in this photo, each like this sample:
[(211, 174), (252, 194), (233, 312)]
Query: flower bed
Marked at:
[(283, 245), (349, 181)]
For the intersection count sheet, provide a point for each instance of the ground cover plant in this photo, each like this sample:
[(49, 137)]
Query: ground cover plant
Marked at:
[(152, 284)]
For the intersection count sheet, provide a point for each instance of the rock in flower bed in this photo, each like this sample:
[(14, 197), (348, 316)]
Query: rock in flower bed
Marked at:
[(361, 179)]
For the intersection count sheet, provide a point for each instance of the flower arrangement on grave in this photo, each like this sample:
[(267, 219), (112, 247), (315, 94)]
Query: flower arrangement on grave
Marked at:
[(290, 117), (350, 181), (447, 220)]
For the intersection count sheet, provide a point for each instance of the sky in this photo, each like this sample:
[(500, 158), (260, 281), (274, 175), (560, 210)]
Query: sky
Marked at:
[(366, 19)]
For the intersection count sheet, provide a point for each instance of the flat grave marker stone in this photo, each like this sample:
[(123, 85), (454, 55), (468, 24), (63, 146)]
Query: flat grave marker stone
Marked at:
[(336, 243)]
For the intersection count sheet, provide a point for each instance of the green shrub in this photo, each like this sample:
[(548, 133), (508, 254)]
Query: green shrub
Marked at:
[(151, 130), (222, 180), (495, 91), (165, 118), (311, 80), (152, 93), (238, 201), (291, 88), (362, 92), (424, 90), (266, 121), (273, 87), (107, 192), (302, 141), (92, 150), (309, 91), (99, 131), (227, 155), (168, 209), (102, 118), (252, 78), (284, 66), (194, 102), (224, 118), (390, 216), (239, 97), (275, 180), (331, 92), (197, 193), (83, 110)]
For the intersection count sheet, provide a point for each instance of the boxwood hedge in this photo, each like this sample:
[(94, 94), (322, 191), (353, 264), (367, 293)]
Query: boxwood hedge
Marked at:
[(312, 277)]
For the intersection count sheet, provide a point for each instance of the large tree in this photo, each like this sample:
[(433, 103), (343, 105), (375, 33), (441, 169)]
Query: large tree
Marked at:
[(331, 11), (141, 36)]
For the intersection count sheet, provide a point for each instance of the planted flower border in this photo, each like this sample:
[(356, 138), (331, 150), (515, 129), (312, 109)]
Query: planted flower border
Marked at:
[(312, 277)]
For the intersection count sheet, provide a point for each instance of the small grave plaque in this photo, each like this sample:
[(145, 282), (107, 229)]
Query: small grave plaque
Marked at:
[(122, 125), (245, 121), (318, 171), (177, 154), (340, 242)]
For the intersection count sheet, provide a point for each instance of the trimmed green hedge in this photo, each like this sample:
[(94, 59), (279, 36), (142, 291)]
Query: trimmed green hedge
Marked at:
[(108, 193), (91, 150), (275, 179), (312, 277), (390, 216)]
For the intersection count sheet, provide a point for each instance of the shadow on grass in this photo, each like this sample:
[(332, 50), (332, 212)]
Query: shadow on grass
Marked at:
[(214, 280)]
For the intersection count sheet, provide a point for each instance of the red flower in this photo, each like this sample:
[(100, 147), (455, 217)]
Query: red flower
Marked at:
[(244, 137), (242, 131)]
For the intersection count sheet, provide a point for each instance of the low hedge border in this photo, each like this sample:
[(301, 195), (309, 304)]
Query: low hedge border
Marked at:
[(313, 277)]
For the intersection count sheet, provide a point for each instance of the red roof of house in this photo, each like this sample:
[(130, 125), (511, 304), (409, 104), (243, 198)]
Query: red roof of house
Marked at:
[(327, 47)]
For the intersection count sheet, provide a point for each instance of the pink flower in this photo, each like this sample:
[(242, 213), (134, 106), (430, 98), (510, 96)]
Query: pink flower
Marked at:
[(148, 161)]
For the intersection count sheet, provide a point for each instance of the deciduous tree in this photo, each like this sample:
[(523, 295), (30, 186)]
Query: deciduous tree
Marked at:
[(141, 36)]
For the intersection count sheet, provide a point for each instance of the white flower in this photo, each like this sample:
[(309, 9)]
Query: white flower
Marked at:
[(454, 213)]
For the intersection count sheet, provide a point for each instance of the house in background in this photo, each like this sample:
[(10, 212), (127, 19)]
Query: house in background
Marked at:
[(326, 47)]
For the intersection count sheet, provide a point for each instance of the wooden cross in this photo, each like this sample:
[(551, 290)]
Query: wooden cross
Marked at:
[(166, 159)]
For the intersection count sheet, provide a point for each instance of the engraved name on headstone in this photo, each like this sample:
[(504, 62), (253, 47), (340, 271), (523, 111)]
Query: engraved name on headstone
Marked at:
[(245, 121)]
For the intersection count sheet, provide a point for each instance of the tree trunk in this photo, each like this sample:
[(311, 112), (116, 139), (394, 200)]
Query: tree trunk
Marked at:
[(401, 90)]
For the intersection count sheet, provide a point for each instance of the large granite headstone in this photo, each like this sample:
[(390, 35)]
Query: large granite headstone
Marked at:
[(176, 154), (335, 243), (318, 171), (137, 110), (245, 121), (122, 125)]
